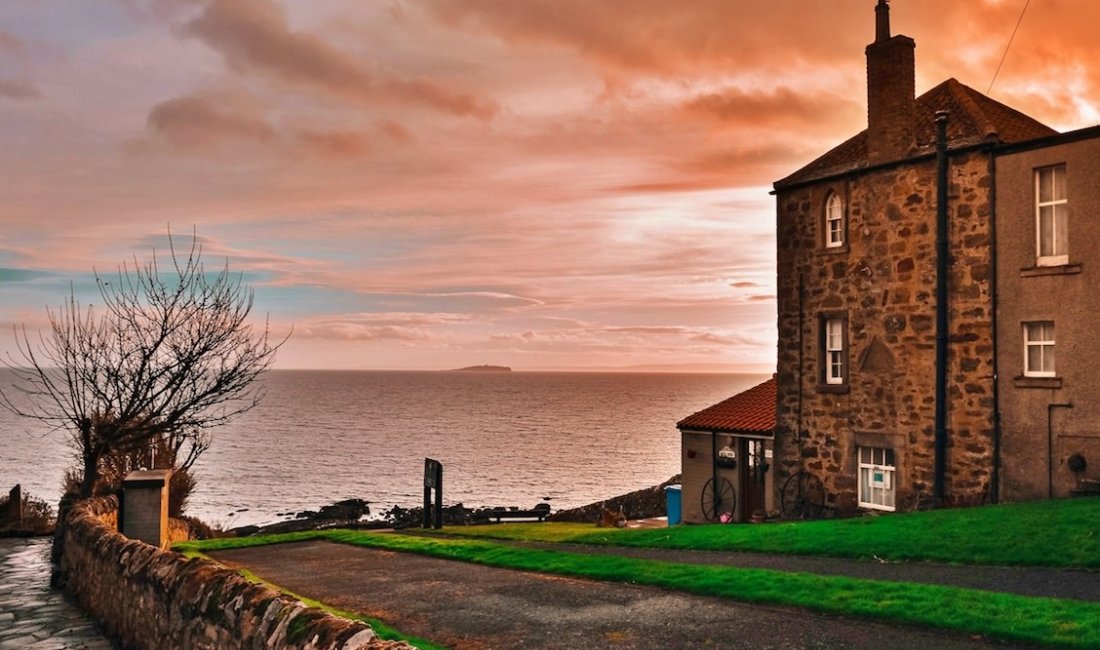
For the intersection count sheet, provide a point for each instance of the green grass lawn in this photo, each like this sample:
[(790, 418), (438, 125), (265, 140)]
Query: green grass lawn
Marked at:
[(1062, 533), (1009, 617)]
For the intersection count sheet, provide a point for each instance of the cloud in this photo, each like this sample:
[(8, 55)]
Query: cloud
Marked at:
[(392, 326), (253, 36), (11, 43), (16, 51), (8, 275), (204, 122), (781, 107), (743, 285), (334, 144), (18, 89), (656, 37)]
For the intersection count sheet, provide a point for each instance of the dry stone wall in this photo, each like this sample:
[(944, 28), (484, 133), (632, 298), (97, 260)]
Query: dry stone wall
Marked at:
[(148, 598), (883, 282)]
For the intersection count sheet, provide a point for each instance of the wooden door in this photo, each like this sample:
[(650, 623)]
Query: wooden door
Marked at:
[(753, 477)]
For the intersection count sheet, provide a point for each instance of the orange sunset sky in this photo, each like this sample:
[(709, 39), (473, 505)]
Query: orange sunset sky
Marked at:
[(545, 184)]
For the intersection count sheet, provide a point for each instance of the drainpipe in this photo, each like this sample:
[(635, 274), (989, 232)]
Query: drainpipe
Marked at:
[(942, 308), (801, 354), (995, 474), (1050, 445)]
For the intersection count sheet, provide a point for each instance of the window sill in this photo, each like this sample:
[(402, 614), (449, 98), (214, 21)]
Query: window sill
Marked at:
[(836, 389), (835, 250), (1037, 382), (877, 508), (1061, 269)]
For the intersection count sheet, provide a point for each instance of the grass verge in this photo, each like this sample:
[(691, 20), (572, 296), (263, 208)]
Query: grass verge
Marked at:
[(1019, 534), (1047, 621)]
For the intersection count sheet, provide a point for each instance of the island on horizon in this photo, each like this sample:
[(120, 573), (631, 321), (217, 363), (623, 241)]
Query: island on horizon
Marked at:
[(483, 368)]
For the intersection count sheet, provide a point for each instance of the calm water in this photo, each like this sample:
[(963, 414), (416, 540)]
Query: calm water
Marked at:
[(503, 438)]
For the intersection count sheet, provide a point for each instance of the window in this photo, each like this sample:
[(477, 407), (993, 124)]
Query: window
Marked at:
[(836, 357), (1039, 349), (1051, 216), (876, 478), (834, 222)]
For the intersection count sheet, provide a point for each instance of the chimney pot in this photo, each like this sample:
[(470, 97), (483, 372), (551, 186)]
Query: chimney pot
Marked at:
[(882, 21)]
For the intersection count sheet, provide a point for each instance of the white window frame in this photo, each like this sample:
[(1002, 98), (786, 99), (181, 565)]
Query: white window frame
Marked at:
[(1039, 334), (835, 355), (877, 478), (1059, 212), (834, 221)]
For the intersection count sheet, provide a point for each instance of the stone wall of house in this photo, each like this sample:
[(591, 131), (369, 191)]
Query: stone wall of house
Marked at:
[(145, 597), (883, 282)]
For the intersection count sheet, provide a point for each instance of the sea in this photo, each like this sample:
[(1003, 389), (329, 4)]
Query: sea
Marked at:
[(504, 439)]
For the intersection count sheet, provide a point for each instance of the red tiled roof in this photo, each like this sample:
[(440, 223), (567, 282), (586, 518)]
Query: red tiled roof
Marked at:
[(752, 411), (974, 118)]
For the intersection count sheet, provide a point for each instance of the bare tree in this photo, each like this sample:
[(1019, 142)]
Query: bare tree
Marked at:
[(169, 356)]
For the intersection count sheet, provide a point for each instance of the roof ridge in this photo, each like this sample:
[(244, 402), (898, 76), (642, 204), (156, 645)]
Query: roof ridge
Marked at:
[(965, 96)]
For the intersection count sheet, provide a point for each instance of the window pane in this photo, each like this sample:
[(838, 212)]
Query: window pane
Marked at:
[(1034, 358), (1059, 174), (1046, 184), (1046, 230), (890, 457), (1061, 223), (836, 365), (1048, 358), (834, 335)]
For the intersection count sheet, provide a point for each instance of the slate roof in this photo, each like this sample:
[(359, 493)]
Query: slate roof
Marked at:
[(752, 411), (975, 118)]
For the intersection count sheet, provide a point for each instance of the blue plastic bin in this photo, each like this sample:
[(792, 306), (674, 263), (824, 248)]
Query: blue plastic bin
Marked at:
[(672, 495)]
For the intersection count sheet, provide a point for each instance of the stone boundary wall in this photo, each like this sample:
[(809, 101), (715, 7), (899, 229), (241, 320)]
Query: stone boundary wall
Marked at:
[(144, 597)]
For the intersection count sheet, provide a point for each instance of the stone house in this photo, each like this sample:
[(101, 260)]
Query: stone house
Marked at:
[(886, 391)]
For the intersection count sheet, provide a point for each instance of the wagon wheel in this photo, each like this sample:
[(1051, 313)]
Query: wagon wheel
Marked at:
[(802, 497), (717, 502)]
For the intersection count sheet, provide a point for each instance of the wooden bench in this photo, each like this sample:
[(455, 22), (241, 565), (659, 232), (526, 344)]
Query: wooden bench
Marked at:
[(540, 512)]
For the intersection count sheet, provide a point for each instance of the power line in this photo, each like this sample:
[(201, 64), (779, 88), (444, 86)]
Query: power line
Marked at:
[(1010, 38)]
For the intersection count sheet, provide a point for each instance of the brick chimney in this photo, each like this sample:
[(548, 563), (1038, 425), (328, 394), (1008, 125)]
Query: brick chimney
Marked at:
[(891, 91)]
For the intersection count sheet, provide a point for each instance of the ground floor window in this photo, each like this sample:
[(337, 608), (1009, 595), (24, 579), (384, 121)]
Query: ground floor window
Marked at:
[(876, 478)]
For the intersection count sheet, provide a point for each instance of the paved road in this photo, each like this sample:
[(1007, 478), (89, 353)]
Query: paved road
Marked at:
[(471, 607), (32, 615)]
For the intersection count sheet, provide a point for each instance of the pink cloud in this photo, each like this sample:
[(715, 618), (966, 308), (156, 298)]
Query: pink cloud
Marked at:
[(253, 37), (200, 122)]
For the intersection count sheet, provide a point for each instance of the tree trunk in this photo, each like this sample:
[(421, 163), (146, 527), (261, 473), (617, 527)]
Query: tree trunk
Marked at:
[(91, 473)]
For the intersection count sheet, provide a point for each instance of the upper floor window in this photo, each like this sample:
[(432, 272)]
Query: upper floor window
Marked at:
[(835, 348), (1051, 216), (834, 221), (1039, 349)]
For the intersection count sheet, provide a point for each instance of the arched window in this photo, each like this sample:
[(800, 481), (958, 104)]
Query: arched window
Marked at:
[(834, 221)]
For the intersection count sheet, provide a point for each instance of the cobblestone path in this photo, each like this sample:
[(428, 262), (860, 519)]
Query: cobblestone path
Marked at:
[(32, 615)]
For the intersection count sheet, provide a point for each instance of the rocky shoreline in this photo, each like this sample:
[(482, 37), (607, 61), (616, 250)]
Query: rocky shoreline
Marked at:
[(640, 504), (355, 513)]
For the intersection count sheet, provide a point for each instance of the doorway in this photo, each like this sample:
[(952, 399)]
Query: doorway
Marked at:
[(753, 477)]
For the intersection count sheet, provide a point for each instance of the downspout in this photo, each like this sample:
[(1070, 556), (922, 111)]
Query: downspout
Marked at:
[(1050, 445), (942, 308), (995, 473), (713, 468), (801, 355)]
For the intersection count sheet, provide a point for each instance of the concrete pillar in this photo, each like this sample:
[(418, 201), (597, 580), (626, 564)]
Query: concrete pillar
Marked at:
[(143, 514)]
